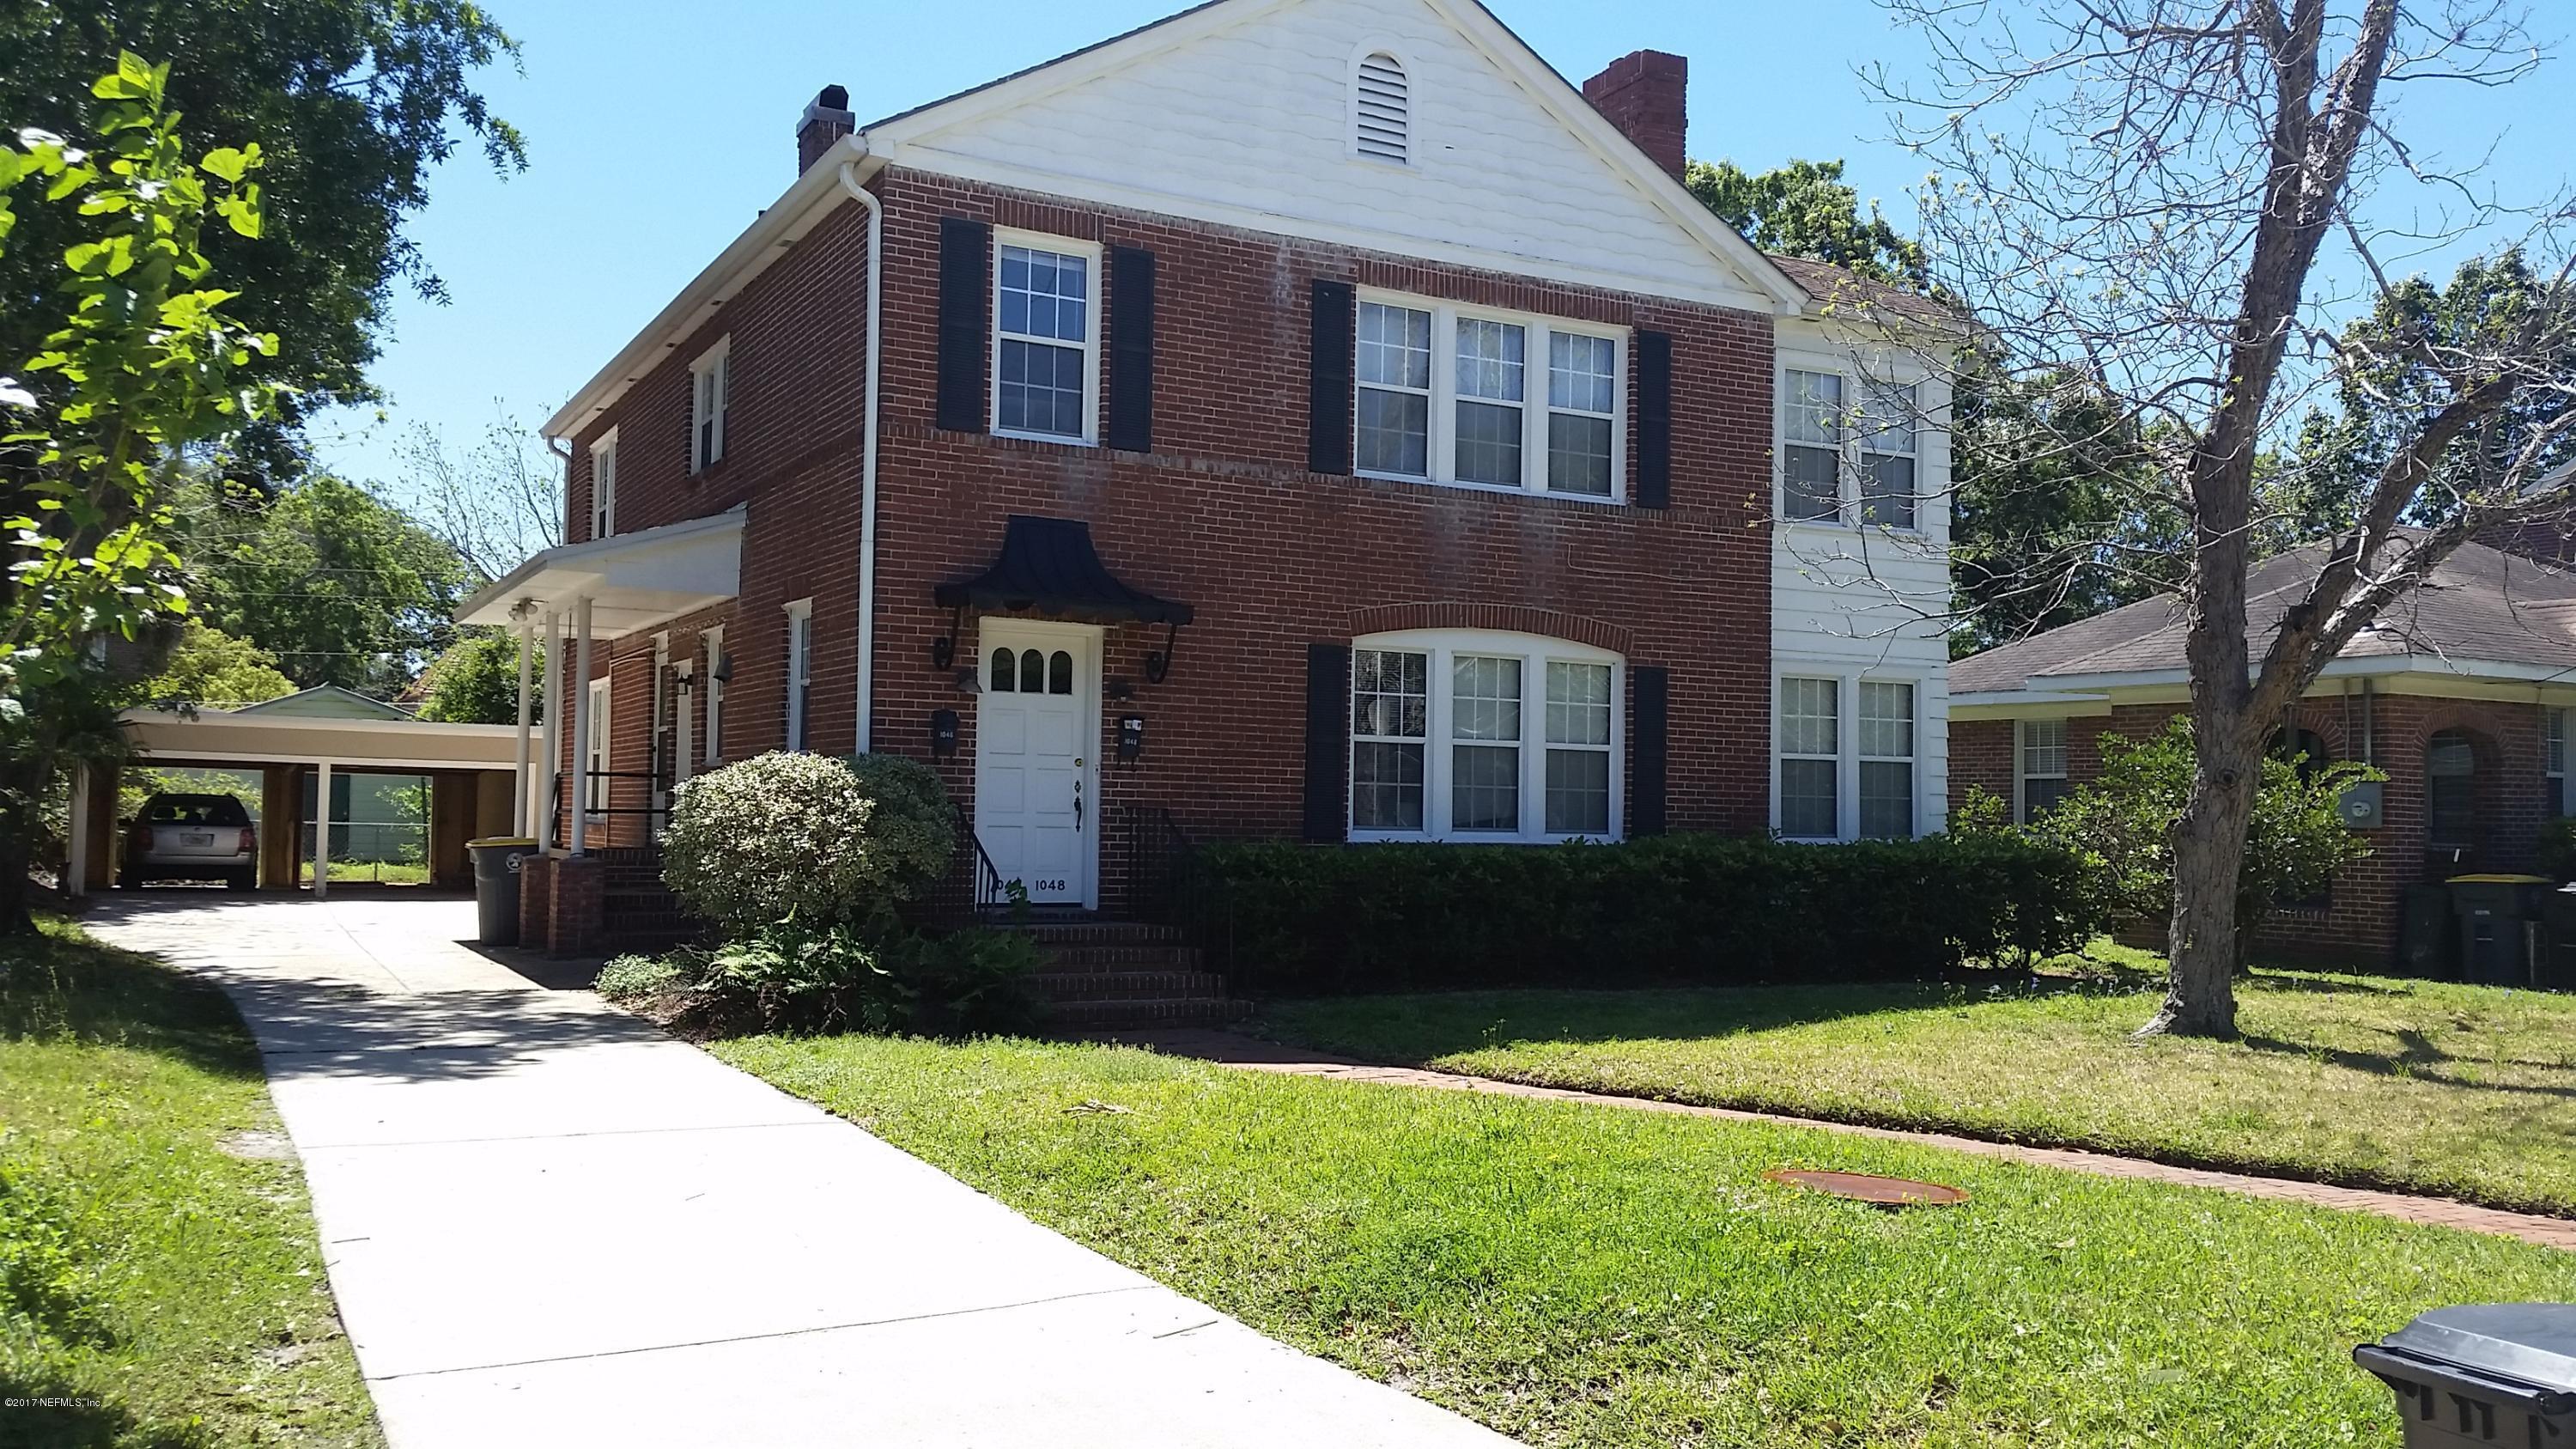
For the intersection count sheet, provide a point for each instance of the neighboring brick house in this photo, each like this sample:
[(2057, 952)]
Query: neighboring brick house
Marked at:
[(2460, 694), (1309, 419)]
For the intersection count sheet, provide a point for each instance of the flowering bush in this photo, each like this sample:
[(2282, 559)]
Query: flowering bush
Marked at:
[(807, 840)]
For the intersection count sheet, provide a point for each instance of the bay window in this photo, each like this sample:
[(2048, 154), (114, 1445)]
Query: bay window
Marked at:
[(1447, 394), (1476, 736)]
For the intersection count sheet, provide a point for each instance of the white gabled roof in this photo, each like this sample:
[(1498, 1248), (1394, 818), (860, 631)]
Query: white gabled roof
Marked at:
[(1258, 72)]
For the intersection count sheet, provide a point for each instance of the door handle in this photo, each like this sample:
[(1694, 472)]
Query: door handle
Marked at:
[(1077, 805)]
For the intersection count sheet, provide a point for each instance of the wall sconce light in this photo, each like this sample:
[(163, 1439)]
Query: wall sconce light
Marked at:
[(723, 672), (970, 680)]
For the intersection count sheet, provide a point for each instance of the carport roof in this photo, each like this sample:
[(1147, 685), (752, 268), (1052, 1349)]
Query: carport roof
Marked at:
[(241, 737)]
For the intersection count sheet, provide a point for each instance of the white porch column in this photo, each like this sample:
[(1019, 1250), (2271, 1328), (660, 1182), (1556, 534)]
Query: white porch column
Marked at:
[(322, 833), (579, 700), (520, 790), (541, 814), (76, 869)]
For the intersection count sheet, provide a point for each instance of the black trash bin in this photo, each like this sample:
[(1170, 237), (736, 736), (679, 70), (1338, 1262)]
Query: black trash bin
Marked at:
[(2556, 968), (496, 887), (2496, 913), (2488, 1374)]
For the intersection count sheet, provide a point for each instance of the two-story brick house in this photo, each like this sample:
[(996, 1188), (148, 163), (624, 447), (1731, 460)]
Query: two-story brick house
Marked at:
[(1296, 418)]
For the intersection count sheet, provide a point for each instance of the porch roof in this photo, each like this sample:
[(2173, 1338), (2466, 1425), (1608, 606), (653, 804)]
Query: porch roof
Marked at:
[(633, 580), (1048, 566)]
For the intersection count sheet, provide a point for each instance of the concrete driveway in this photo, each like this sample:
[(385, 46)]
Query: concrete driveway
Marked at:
[(548, 1224)]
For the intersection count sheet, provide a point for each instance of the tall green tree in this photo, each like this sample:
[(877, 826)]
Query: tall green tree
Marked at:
[(207, 666), (1804, 209), (144, 362), (342, 586), (355, 101), (477, 680)]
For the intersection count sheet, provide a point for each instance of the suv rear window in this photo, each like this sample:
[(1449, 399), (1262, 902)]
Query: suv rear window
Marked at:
[(194, 810)]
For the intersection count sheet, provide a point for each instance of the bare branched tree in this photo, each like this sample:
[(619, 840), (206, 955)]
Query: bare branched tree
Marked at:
[(2174, 212), (496, 501)]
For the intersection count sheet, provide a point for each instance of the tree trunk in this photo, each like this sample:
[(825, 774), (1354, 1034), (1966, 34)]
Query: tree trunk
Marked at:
[(2209, 854)]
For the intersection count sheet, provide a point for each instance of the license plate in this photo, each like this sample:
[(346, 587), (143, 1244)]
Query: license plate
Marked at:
[(196, 839)]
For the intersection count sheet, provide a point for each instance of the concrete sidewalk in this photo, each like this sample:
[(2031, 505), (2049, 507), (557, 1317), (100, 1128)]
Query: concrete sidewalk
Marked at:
[(548, 1224)]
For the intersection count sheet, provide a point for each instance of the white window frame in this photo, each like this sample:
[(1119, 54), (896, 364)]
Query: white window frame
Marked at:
[(1442, 450), (1928, 808), (800, 669), (1859, 388), (713, 638), (710, 395), (597, 744), (603, 486), (1843, 707), (2023, 774), (1092, 254), (1535, 652), (2553, 757)]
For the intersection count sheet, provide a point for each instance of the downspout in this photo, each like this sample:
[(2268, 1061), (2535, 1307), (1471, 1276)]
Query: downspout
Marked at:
[(868, 450)]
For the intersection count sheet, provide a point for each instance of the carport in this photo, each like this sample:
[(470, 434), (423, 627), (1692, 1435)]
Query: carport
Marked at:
[(313, 735)]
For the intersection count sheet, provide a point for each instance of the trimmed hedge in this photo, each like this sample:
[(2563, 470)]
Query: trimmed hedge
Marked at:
[(1694, 909)]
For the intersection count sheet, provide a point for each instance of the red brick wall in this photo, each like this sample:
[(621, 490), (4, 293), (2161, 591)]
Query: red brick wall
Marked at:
[(2360, 921), (1223, 514)]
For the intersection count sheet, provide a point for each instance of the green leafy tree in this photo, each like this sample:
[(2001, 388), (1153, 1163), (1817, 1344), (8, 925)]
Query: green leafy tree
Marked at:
[(144, 362), (342, 586), (357, 101), (207, 666), (477, 680), (1803, 209), (2122, 827)]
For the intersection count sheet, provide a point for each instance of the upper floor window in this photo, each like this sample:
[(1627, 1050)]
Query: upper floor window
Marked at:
[(1046, 344), (1833, 428), (710, 393), (1472, 736), (1456, 395), (1382, 109), (603, 486)]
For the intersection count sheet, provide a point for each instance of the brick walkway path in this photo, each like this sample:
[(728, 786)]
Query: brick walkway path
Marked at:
[(1228, 1049)]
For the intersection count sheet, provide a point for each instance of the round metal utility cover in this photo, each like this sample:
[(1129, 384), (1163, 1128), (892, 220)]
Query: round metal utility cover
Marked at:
[(1889, 1192)]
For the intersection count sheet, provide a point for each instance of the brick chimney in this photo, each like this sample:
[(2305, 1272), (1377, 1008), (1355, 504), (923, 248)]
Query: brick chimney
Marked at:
[(826, 121), (1647, 96)]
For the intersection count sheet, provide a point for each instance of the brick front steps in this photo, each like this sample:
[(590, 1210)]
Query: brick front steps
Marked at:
[(1102, 978)]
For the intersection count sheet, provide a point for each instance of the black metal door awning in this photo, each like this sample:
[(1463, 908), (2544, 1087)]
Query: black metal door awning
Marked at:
[(1049, 567)]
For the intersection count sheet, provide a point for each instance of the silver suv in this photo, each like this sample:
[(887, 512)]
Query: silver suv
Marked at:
[(191, 837)]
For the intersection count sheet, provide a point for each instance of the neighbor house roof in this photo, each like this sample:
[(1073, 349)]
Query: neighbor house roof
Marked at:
[(1839, 291), (2483, 611), (326, 701)]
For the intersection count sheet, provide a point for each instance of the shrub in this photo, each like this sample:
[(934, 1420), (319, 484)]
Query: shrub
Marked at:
[(638, 978), (798, 980), (1681, 908), (2558, 847), (976, 980), (804, 843)]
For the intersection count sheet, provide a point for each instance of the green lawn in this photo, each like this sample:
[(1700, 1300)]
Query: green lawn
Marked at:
[(2460, 1090), (1586, 1275), (173, 1289)]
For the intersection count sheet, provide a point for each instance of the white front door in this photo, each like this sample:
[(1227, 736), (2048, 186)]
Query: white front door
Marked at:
[(1036, 726)]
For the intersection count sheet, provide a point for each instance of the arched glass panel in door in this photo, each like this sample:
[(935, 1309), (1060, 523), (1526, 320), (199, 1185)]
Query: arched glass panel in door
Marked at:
[(1032, 672), (1060, 673), (1006, 671)]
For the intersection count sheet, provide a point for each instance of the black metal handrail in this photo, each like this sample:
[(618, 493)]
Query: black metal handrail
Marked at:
[(973, 885), (559, 817), (1162, 885)]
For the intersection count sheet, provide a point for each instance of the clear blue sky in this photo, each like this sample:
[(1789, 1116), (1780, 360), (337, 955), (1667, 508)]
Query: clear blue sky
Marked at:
[(654, 138)]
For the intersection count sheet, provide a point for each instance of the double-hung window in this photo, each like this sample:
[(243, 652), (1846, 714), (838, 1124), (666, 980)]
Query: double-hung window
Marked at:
[(1886, 760), (2554, 747), (2040, 775), (1887, 457), (1462, 396), (594, 744), (800, 668), (603, 486), (1045, 339), (714, 673), (1811, 759), (1474, 736), (1811, 447), (710, 394)]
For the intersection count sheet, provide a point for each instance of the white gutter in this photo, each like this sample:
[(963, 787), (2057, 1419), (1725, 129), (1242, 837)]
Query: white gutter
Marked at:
[(868, 443)]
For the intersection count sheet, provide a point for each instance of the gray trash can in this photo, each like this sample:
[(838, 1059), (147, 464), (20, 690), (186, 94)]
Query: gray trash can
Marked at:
[(2495, 912), (496, 887), (2489, 1374)]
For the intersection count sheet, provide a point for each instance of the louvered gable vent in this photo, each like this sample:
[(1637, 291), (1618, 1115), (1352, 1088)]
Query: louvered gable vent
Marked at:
[(1383, 116)]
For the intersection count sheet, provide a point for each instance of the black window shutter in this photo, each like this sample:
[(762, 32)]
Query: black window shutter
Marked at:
[(1654, 420), (1131, 349), (1328, 741), (1650, 687), (965, 315), (1330, 377)]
